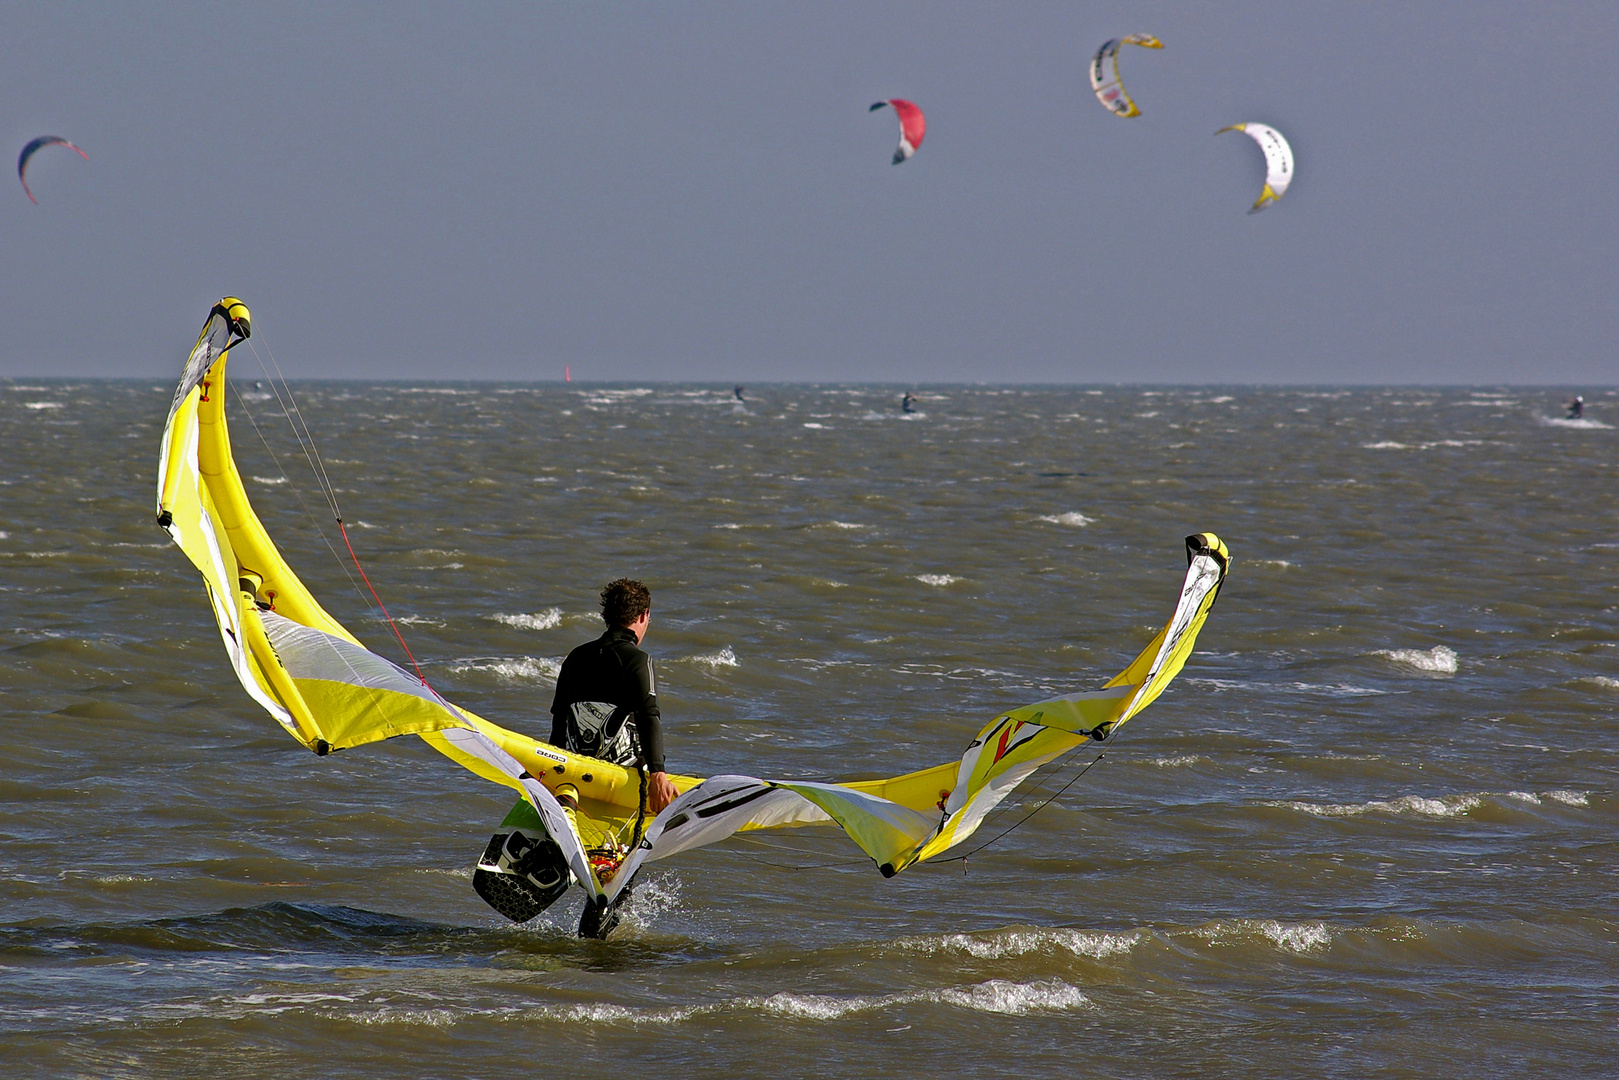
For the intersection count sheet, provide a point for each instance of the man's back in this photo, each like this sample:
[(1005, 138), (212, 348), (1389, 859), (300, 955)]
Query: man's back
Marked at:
[(610, 671)]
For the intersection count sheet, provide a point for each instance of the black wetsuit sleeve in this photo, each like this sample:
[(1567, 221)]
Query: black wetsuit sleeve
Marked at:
[(648, 721)]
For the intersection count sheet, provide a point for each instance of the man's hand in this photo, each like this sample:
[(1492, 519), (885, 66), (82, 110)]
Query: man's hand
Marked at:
[(659, 792)]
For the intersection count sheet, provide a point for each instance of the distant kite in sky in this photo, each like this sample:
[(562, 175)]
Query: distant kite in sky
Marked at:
[(912, 126), (35, 147), (1105, 74), (1278, 161)]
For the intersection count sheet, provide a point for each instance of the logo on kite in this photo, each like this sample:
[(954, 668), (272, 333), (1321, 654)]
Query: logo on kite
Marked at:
[(912, 126), (1278, 161), (35, 147), (1105, 74)]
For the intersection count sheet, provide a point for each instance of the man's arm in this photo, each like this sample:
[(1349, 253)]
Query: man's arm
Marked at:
[(660, 792), (560, 702), (648, 720)]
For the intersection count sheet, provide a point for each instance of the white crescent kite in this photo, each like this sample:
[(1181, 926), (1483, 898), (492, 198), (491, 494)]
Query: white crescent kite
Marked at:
[(1278, 161)]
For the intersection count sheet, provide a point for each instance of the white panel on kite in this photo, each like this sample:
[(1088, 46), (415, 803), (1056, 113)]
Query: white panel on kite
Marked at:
[(1105, 74), (1278, 161)]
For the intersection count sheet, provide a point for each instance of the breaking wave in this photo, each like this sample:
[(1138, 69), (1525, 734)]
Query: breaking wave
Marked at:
[(1294, 937), (1438, 660), (544, 620), (995, 996), (1096, 944), (937, 580), (513, 669), (1069, 518), (1448, 806)]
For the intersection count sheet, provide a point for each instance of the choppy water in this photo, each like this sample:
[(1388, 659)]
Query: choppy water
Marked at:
[(1371, 831)]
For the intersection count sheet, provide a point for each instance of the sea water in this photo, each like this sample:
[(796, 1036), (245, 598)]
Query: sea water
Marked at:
[(1369, 831)]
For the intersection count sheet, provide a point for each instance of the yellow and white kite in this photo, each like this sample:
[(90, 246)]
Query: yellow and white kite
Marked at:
[(1105, 74), (1278, 161), (330, 692)]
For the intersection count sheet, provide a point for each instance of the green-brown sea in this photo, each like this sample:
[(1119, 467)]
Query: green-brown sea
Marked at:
[(1370, 831)]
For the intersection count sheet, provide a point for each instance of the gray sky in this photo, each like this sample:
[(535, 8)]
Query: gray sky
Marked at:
[(697, 192)]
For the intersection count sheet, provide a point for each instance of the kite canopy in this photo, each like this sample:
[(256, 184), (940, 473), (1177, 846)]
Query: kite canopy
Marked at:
[(1105, 74), (34, 147), (912, 126), (329, 692), (1278, 161)]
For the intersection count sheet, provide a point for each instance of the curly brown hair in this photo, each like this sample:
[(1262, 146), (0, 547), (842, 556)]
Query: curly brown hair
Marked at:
[(624, 601)]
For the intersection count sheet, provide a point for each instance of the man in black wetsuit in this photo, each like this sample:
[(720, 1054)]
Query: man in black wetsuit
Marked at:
[(606, 704)]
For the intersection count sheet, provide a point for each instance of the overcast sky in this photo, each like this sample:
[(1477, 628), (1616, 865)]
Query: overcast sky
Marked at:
[(697, 191)]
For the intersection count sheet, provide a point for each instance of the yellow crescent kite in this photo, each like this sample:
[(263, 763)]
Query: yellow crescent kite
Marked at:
[(329, 692)]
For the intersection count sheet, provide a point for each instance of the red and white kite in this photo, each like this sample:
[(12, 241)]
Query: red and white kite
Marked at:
[(912, 126)]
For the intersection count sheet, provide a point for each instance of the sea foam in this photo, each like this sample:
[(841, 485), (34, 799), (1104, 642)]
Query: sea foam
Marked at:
[(514, 669), (544, 620), (1096, 944), (1438, 660), (1448, 806)]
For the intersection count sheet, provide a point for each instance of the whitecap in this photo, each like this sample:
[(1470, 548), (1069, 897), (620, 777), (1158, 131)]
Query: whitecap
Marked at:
[(1176, 761), (1385, 445), (1096, 944), (1294, 937), (937, 580), (1569, 798), (848, 525), (1283, 563), (1604, 681), (1014, 999), (545, 620), (43, 405), (515, 669), (1297, 937), (817, 427), (270, 479), (995, 996), (1582, 422), (1068, 518), (724, 658), (1438, 660), (1449, 806), (822, 1006)]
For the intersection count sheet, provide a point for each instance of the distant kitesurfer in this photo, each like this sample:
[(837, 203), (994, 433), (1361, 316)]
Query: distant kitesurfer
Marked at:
[(909, 404), (606, 704), (738, 392), (1576, 408)]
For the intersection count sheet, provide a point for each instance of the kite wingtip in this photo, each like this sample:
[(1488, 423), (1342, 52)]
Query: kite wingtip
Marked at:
[(876, 105)]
